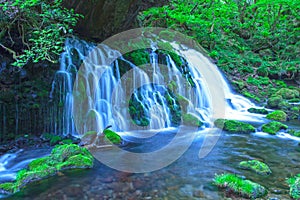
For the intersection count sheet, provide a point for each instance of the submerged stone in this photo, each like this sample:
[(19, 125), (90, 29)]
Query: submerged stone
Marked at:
[(234, 126), (277, 115), (256, 166), (241, 187), (273, 127)]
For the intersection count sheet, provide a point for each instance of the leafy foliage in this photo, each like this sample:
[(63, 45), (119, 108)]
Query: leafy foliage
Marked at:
[(256, 39), (41, 26)]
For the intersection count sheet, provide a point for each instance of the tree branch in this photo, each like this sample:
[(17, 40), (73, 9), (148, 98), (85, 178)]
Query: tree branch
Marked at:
[(10, 51)]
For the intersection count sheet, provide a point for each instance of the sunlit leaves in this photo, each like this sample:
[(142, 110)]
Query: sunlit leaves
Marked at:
[(43, 26)]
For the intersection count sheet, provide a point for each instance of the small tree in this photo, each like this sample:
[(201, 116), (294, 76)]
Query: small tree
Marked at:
[(41, 26)]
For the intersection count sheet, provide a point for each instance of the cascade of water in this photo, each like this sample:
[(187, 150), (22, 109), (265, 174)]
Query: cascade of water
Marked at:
[(100, 90)]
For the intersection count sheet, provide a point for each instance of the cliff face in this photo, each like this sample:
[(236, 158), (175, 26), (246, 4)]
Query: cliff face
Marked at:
[(104, 18)]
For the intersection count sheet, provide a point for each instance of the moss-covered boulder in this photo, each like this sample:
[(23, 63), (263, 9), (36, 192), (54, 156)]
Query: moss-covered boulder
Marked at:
[(256, 166), (258, 111), (234, 126), (273, 127), (62, 157), (241, 187), (191, 120), (277, 115), (288, 93), (294, 184), (112, 136), (273, 102)]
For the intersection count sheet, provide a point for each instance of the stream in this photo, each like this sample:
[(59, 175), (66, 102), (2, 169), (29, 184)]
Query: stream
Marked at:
[(187, 178)]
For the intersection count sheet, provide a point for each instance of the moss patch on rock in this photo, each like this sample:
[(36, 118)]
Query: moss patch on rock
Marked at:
[(273, 102), (294, 184), (234, 126), (62, 157), (295, 133), (277, 115), (256, 166), (273, 127), (191, 120), (241, 187), (258, 111), (286, 93), (112, 136)]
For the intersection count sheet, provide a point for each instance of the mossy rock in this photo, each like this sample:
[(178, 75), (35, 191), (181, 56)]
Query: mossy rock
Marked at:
[(52, 138), (184, 102), (294, 184), (256, 166), (7, 188), (258, 111), (241, 187), (295, 100), (234, 126), (273, 127), (277, 115), (62, 157), (112, 136), (286, 93), (273, 102), (191, 120), (89, 137), (77, 161), (62, 152), (294, 132)]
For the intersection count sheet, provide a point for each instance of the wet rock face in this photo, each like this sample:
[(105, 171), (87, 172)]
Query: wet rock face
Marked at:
[(104, 18)]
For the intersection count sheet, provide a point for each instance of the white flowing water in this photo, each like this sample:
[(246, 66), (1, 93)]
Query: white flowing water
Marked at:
[(95, 95)]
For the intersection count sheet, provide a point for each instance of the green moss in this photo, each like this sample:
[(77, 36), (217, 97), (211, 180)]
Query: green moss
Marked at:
[(286, 93), (277, 115), (295, 100), (138, 57), (239, 84), (184, 102), (62, 152), (244, 188), (62, 157), (273, 102), (294, 132), (38, 162), (234, 126), (8, 188), (256, 166), (273, 127), (258, 111), (77, 161), (191, 120), (112, 136), (67, 141), (252, 96), (294, 184), (53, 139)]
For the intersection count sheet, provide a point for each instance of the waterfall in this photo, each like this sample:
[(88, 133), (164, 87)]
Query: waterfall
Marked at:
[(94, 89)]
